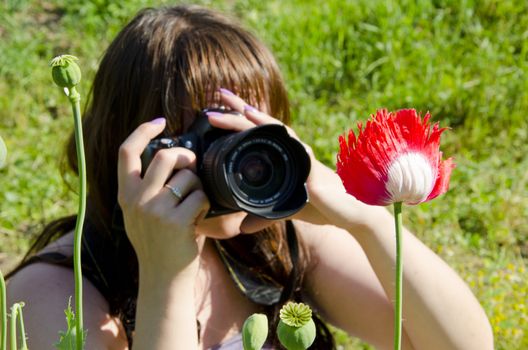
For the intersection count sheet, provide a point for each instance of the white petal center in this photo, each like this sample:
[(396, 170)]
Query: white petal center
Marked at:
[(410, 178)]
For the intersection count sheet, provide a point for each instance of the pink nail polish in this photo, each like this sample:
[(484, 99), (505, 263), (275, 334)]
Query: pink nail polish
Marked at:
[(250, 108), (214, 114), (160, 120), (226, 92)]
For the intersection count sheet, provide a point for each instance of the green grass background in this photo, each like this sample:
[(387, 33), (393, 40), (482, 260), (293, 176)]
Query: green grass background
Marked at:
[(464, 61)]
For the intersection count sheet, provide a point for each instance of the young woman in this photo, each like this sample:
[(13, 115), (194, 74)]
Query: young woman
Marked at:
[(169, 278)]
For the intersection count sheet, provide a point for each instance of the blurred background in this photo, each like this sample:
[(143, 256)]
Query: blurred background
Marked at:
[(466, 62)]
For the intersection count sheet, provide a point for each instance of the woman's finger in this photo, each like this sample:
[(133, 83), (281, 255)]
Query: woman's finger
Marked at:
[(236, 103), (193, 208), (253, 114), (178, 187), (129, 161), (258, 117), (163, 165), (229, 121), (252, 224), (231, 100)]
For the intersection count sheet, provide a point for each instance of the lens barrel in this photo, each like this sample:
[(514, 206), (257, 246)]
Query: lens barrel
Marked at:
[(261, 171)]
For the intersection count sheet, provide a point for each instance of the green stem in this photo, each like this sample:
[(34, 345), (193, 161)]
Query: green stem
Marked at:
[(22, 329), (399, 276), (13, 335), (16, 312), (3, 312), (81, 164)]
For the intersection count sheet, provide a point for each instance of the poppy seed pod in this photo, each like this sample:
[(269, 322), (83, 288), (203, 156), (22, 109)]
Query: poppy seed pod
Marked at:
[(255, 332), (65, 71), (296, 328)]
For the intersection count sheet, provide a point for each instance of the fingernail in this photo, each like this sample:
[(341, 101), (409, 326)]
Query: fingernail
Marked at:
[(159, 120), (214, 114), (226, 92), (250, 108)]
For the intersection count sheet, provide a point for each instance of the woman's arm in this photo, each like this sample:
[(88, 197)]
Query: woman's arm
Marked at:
[(161, 227), (439, 310), (165, 314), (342, 286)]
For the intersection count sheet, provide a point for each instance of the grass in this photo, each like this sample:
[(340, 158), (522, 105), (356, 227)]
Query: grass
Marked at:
[(464, 61)]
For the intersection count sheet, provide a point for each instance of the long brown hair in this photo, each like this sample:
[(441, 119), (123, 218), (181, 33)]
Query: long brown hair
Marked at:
[(166, 62)]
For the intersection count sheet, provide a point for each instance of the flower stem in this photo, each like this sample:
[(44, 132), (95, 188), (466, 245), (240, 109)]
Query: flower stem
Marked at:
[(22, 329), (399, 276), (16, 312), (75, 98), (3, 312)]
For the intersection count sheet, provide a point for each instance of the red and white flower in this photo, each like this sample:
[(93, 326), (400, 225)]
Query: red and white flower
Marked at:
[(395, 158)]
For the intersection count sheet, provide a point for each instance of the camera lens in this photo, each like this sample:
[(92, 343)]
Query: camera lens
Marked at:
[(258, 171), (255, 169), (261, 171)]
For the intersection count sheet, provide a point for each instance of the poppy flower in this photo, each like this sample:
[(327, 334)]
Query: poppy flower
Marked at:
[(394, 158)]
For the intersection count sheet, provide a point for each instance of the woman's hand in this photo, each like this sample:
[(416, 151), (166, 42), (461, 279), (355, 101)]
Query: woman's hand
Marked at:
[(329, 204), (160, 225), (161, 209)]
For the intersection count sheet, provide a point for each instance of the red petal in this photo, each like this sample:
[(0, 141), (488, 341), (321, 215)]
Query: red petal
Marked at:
[(441, 186)]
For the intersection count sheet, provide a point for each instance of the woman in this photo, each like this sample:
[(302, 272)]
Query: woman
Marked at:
[(167, 279)]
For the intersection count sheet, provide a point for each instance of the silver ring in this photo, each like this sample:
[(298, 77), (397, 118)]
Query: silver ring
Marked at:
[(175, 191)]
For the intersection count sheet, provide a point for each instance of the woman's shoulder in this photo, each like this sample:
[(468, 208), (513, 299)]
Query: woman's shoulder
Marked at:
[(46, 290), (45, 280), (63, 246)]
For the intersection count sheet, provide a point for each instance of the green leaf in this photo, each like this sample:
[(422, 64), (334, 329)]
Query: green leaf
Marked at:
[(67, 339)]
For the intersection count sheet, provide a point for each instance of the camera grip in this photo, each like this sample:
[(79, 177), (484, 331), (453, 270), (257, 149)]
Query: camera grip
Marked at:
[(152, 148)]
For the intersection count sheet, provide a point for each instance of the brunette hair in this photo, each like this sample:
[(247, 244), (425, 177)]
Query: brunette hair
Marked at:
[(169, 62)]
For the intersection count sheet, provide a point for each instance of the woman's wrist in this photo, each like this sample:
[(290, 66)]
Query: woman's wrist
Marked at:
[(167, 275), (166, 314), (162, 287), (344, 211), (371, 220)]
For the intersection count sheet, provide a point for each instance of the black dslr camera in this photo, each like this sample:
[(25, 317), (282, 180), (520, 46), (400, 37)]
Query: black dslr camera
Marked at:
[(261, 171)]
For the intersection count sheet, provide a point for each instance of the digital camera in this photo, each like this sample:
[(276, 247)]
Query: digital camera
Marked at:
[(262, 170)]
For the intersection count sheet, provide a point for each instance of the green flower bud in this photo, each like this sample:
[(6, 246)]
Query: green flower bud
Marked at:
[(296, 329), (66, 73), (255, 332), (3, 153)]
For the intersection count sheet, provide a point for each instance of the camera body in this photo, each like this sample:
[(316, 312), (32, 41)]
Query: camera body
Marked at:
[(262, 170)]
